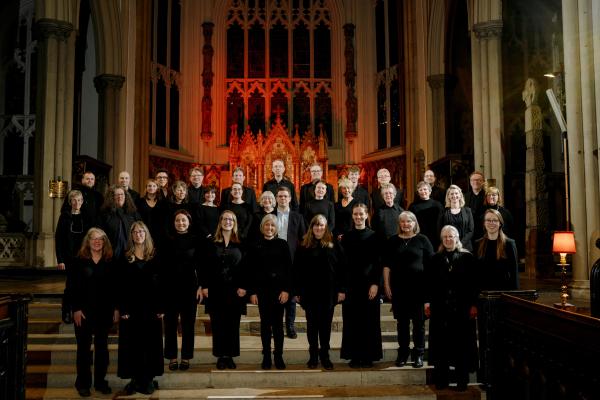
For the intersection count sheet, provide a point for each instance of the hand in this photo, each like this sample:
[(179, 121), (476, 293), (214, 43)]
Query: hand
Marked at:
[(341, 297), (116, 316), (254, 299), (61, 266), (473, 312), (125, 316), (339, 237), (160, 316), (241, 292), (388, 291), (199, 295), (283, 297), (427, 310), (373, 291), (78, 317), (205, 293)]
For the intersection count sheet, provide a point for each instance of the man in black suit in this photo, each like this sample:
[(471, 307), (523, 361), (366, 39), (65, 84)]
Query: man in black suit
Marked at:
[(307, 191), (278, 169), (291, 228), (248, 194)]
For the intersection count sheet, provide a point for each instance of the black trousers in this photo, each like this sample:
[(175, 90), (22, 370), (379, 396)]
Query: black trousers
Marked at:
[(84, 335), (225, 323), (290, 314), (184, 309), (318, 329), (405, 313), (271, 323)]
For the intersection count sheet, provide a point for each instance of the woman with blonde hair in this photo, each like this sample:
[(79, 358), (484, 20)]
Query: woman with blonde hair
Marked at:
[(320, 282), (141, 307), (343, 208), (493, 200), (152, 209), (459, 216)]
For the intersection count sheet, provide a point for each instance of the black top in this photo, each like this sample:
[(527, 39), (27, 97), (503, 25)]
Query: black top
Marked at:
[(207, 220), (248, 195), (269, 266), (509, 222), (140, 294), (363, 267), (343, 217), (502, 274), (385, 221), (451, 280), (361, 195), (254, 233), (475, 202), (322, 206), (437, 194), (117, 223), (70, 230), (195, 194), (154, 218), (272, 186), (377, 200), (181, 263), (223, 275), (94, 290), (92, 202), (244, 214), (307, 193), (428, 213), (133, 194), (463, 222)]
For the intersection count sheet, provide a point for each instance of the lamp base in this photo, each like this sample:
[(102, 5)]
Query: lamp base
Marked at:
[(566, 306)]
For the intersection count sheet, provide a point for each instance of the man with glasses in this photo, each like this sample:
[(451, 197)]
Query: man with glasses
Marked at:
[(195, 189), (162, 179), (248, 194), (307, 191), (278, 169)]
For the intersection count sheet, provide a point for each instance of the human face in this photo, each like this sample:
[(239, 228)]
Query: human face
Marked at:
[(388, 196), (238, 177), (359, 216), (151, 187), (196, 178), (119, 197), (492, 198), (269, 230), (138, 235), (283, 199), (236, 191), (407, 225), (383, 176), (429, 177), (345, 191), (180, 193), (454, 196), (182, 223), (316, 173), (124, 179), (319, 228), (476, 182), (162, 179), (353, 176), (320, 191), (76, 202), (227, 222), (424, 192), (88, 180), (449, 240), (278, 168), (96, 242), (491, 223), (210, 196), (267, 203)]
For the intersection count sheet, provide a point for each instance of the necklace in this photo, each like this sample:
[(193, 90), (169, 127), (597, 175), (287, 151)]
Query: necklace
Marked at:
[(406, 241)]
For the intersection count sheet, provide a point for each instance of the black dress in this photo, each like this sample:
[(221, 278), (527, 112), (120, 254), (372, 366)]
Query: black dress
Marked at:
[(244, 214), (140, 336), (502, 274), (269, 265), (361, 339), (452, 292), (463, 222), (223, 275), (406, 259), (116, 222), (385, 221), (207, 219), (428, 213), (343, 217)]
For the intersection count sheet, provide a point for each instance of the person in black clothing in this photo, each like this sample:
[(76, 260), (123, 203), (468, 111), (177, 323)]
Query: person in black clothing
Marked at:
[(427, 211), (385, 218), (452, 307), (320, 205), (404, 260), (278, 168), (320, 281), (181, 272), (267, 206), (493, 200), (307, 191), (195, 189), (208, 214), (125, 182), (141, 308), (248, 193), (437, 193), (457, 215), (474, 199), (384, 178), (270, 287), (94, 310), (343, 208), (224, 288), (358, 192), (361, 338), (162, 179), (118, 213), (92, 199), (243, 211), (153, 211), (70, 230)]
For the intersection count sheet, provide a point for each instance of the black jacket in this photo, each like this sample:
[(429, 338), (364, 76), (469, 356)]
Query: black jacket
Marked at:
[(307, 193), (272, 186), (248, 195)]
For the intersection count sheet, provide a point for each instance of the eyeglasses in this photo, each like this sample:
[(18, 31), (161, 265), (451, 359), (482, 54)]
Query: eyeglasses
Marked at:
[(139, 232), (492, 221), (162, 177), (100, 239), (227, 219)]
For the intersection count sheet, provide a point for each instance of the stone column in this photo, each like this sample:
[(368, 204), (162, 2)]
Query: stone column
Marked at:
[(111, 144), (438, 84), (537, 235), (54, 131)]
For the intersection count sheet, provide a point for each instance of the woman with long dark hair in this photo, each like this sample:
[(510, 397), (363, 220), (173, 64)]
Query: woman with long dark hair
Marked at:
[(116, 217), (208, 214)]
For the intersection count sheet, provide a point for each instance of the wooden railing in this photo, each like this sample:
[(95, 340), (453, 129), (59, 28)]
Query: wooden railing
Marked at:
[(13, 345)]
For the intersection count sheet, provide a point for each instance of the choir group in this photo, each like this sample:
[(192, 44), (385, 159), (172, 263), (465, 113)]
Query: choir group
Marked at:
[(146, 262)]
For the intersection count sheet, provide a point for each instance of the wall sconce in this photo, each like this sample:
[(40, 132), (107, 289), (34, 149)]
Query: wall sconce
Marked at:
[(57, 188), (564, 243)]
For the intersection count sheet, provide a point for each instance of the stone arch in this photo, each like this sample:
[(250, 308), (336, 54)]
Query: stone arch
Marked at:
[(107, 30)]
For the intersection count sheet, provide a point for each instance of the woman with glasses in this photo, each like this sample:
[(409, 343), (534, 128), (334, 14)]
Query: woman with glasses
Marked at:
[(141, 308), (224, 288), (116, 217), (243, 211), (452, 307), (94, 310)]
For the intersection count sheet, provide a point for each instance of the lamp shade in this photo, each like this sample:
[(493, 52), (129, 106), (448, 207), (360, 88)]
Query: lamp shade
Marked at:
[(564, 242)]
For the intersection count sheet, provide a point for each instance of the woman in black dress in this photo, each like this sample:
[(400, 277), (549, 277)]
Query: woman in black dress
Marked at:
[(459, 216), (70, 230), (427, 211), (320, 205), (452, 307), (343, 208), (152, 210), (208, 214), (361, 339), (178, 200), (267, 205), (493, 200), (242, 210), (270, 287), (224, 290), (142, 309), (94, 310), (405, 256), (116, 217), (320, 282), (180, 270)]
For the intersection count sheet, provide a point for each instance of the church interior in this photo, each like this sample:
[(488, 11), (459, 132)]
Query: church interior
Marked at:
[(454, 86)]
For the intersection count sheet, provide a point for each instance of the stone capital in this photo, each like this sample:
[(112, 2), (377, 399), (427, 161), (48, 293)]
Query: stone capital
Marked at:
[(108, 81), (60, 30), (488, 29)]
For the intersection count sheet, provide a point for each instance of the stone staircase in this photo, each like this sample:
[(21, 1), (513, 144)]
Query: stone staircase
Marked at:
[(51, 366)]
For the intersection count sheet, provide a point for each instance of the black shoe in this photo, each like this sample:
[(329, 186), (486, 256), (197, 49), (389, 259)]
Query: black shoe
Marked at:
[(313, 362), (104, 389), (67, 317), (221, 363), (327, 364), (366, 364), (230, 363), (130, 388), (266, 362), (401, 361), (84, 392), (354, 364), (418, 362), (279, 363), (184, 365), (291, 333), (173, 366), (145, 388)]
